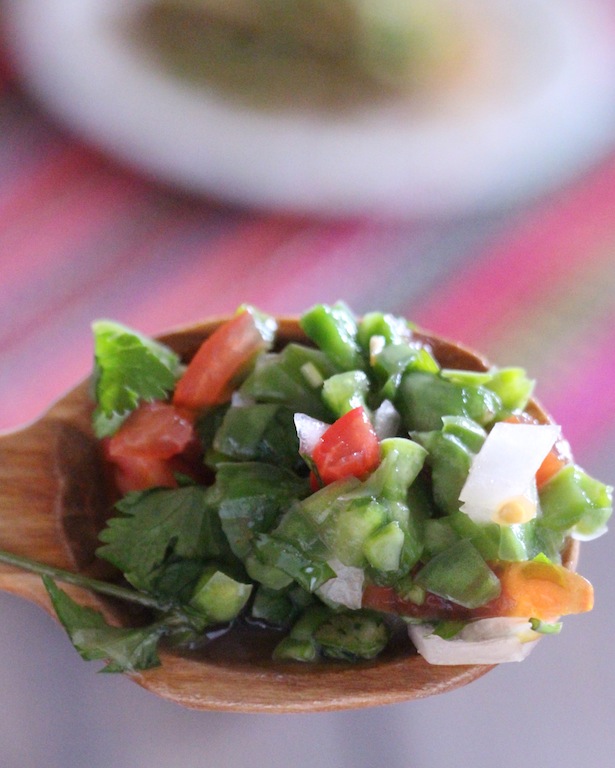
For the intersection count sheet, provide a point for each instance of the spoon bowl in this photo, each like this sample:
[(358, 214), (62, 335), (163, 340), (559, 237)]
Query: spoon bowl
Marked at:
[(55, 499)]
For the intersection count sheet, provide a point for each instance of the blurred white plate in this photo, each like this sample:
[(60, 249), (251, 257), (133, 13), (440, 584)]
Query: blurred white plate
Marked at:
[(547, 112)]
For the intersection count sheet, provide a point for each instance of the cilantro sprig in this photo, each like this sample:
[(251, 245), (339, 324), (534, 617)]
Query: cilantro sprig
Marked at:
[(157, 525), (128, 368), (164, 541)]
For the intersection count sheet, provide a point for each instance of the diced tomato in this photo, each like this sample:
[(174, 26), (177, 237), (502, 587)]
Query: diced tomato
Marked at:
[(433, 608), (145, 449), (348, 448), (157, 429), (554, 461), (315, 483), (219, 363), (135, 472)]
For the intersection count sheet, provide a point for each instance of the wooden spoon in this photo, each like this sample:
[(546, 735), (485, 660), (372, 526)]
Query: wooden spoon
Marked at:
[(54, 501)]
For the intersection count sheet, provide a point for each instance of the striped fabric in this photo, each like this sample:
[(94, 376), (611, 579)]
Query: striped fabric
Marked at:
[(82, 238)]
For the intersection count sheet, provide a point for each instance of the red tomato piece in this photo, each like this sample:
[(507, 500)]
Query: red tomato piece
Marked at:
[(139, 472), (348, 448), (156, 429), (143, 451), (433, 608), (219, 363)]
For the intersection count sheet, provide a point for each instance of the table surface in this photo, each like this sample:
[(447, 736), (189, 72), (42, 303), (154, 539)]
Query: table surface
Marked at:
[(82, 237)]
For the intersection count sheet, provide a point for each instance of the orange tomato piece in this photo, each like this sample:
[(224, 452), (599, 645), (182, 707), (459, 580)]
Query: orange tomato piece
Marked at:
[(541, 590), (554, 461)]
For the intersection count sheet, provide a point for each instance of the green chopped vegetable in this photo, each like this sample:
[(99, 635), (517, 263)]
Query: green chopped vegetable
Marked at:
[(129, 367)]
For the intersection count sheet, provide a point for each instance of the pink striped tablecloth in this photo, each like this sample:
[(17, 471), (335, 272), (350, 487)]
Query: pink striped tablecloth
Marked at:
[(82, 238)]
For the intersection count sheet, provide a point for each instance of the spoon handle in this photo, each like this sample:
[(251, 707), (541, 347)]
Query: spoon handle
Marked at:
[(52, 490)]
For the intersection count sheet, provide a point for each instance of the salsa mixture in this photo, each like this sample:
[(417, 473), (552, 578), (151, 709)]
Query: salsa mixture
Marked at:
[(333, 491)]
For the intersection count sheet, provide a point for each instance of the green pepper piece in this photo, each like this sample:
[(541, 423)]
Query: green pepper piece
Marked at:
[(262, 432), (265, 574), (219, 597), (345, 391), (471, 434), (450, 462), (394, 360), (392, 329), (307, 572), (299, 645), (460, 574), (511, 385), (402, 460), (351, 635), (334, 330), (572, 500), (423, 399), (439, 535), (250, 497), (292, 649), (384, 547), (292, 377), (498, 542), (272, 606)]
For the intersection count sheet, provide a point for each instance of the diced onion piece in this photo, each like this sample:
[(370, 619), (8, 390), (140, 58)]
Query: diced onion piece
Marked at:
[(485, 641), (312, 375), (345, 588), (376, 345), (386, 420), (309, 432), (501, 484)]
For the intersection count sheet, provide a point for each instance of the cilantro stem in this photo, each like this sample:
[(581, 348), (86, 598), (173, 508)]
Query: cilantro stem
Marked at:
[(77, 579)]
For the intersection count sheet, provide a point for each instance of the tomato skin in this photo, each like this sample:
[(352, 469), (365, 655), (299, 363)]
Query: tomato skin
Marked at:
[(156, 429), (139, 472), (348, 448), (212, 374), (433, 608), (144, 452)]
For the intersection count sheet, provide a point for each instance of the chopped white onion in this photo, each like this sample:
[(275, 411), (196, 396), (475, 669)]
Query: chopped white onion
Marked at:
[(486, 641), (376, 345), (309, 432), (386, 420), (501, 484), (345, 588)]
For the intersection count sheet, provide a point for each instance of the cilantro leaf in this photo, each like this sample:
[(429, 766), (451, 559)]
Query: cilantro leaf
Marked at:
[(124, 649), (155, 525), (250, 497), (128, 368)]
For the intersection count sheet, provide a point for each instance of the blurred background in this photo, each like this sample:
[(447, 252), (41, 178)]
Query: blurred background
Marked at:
[(453, 162)]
